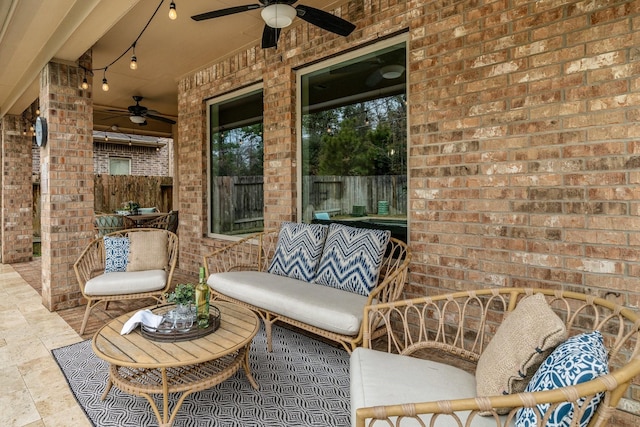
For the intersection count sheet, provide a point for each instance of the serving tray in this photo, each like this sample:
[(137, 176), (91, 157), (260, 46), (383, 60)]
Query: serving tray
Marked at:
[(174, 335)]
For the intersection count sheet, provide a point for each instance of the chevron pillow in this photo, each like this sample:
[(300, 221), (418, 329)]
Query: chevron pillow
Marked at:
[(351, 258), (298, 250)]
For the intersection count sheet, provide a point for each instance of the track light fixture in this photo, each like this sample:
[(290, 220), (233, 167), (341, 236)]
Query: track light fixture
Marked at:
[(173, 14)]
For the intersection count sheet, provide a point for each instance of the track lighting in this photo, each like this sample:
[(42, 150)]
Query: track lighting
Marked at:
[(173, 14)]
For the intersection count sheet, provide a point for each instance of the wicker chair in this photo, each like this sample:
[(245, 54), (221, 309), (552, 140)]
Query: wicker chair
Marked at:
[(91, 265), (458, 327), (166, 222), (108, 223)]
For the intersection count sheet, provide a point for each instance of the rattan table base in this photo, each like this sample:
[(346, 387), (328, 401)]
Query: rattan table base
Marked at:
[(183, 379), (144, 367)]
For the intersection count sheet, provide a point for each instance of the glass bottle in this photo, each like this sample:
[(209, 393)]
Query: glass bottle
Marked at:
[(202, 301)]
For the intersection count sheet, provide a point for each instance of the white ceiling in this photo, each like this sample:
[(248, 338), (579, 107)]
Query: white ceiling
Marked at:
[(32, 32)]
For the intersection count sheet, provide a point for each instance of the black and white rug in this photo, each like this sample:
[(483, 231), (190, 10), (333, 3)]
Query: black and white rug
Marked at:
[(303, 382)]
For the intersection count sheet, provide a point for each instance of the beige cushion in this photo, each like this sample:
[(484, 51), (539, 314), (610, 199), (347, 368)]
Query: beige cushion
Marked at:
[(522, 342), (381, 378), (321, 306), (123, 282), (147, 250)]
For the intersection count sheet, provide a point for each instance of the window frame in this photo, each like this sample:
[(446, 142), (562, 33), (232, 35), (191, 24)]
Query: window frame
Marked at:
[(365, 50), (215, 100), (119, 158)]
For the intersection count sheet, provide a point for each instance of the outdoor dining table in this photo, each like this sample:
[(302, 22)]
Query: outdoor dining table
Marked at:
[(141, 219)]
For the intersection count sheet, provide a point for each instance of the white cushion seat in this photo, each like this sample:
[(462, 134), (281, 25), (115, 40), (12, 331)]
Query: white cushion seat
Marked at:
[(380, 378), (122, 283), (321, 306)]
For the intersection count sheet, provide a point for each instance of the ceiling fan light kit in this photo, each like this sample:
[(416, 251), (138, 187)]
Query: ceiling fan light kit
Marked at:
[(391, 72), (278, 15), (137, 119)]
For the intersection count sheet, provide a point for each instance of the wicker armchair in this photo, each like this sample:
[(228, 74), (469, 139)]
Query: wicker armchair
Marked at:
[(107, 223), (91, 265), (458, 327)]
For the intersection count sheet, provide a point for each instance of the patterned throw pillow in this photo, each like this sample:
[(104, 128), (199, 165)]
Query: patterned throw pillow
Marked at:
[(351, 258), (579, 359), (298, 250), (116, 251)]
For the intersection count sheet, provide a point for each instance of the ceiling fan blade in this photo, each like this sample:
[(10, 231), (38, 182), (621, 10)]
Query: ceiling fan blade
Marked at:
[(325, 20), (270, 37), (225, 12), (160, 119)]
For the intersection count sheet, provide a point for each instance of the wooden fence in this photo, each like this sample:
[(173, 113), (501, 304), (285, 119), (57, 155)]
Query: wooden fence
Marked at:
[(241, 199), (111, 191)]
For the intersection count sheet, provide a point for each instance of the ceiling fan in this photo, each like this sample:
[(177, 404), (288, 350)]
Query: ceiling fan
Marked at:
[(278, 14), (139, 114)]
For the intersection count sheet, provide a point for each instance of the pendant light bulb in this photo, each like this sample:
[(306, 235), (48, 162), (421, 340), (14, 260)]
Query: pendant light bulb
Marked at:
[(105, 84), (85, 83), (173, 14), (134, 63)]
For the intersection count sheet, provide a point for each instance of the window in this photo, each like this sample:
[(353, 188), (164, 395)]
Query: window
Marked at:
[(119, 166), (236, 198), (353, 137)]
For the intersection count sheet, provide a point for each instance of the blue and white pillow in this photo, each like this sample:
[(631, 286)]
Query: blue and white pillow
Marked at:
[(351, 258), (298, 250), (579, 359), (116, 251)]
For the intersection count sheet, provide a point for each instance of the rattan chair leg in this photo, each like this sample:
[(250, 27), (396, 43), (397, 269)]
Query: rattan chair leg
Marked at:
[(87, 311)]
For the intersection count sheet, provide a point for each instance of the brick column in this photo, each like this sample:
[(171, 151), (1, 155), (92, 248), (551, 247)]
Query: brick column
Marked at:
[(16, 199), (66, 165)]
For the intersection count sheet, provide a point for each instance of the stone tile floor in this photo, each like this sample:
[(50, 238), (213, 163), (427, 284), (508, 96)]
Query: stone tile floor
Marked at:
[(34, 391)]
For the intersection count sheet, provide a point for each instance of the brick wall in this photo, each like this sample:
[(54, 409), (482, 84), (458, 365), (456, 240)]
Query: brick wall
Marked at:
[(66, 181), (524, 144), (16, 227), (145, 161)]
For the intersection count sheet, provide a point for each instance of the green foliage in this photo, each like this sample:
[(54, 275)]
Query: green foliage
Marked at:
[(184, 293), (367, 138), (238, 152)]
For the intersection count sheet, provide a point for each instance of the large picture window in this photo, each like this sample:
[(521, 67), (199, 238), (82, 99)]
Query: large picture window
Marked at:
[(353, 137), (236, 163)]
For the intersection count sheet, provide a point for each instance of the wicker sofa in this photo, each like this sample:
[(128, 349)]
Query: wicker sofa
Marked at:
[(404, 382), (238, 273)]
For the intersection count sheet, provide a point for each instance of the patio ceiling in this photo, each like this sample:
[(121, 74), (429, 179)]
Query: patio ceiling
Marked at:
[(33, 32)]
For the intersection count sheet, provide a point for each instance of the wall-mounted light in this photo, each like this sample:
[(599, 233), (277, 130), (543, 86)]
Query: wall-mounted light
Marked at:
[(173, 14)]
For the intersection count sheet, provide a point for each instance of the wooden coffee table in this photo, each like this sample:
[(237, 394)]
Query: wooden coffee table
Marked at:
[(143, 367)]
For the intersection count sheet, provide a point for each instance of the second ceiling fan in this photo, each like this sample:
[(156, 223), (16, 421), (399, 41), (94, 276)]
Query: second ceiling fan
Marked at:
[(278, 14)]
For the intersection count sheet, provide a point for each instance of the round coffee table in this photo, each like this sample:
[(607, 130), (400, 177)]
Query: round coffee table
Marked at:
[(143, 367)]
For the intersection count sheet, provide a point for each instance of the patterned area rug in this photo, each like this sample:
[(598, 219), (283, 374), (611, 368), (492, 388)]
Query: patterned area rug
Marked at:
[(303, 382)]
